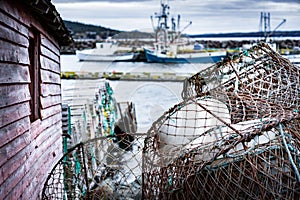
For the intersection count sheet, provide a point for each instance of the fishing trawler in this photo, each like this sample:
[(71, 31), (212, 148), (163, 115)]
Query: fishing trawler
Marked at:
[(169, 45)]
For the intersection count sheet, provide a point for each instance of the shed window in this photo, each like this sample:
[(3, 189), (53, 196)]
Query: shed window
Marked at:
[(34, 68)]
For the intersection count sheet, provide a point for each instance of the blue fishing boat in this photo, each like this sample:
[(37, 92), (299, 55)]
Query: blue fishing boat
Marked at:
[(169, 46), (154, 56)]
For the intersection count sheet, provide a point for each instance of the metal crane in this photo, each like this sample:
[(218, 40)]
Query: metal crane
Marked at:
[(265, 17)]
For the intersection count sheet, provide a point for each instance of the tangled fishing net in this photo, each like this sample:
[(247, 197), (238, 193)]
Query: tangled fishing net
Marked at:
[(97, 169), (234, 136)]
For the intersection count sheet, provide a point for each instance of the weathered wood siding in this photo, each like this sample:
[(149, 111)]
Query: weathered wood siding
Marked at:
[(28, 150)]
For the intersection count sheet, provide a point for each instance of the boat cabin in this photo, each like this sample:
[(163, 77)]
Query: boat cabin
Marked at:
[(31, 34)]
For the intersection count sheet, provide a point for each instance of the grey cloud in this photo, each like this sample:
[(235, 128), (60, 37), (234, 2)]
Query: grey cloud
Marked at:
[(206, 15), (286, 1), (239, 6)]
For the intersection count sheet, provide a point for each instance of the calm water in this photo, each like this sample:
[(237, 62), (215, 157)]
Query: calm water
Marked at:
[(151, 98)]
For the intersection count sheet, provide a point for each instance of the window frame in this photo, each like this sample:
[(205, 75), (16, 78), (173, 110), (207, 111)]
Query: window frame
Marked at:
[(35, 74)]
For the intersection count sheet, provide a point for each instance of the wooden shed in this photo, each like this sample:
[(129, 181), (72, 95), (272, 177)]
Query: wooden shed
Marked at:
[(31, 34)]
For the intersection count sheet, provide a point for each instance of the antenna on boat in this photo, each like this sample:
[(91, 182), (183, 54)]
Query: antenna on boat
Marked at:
[(178, 23), (180, 32), (173, 24), (152, 22), (164, 14)]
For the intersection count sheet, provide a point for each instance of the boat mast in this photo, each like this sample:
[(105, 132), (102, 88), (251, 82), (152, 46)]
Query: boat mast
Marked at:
[(167, 37), (162, 21), (178, 23), (161, 29), (164, 14)]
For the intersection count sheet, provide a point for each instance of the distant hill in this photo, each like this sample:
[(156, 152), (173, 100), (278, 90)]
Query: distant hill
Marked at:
[(80, 30), (88, 31), (133, 35)]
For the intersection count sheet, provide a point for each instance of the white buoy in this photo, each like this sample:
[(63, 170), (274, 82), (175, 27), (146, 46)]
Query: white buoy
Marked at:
[(191, 121)]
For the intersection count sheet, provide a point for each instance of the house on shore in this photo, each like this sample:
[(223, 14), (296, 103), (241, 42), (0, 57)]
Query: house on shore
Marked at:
[(31, 34)]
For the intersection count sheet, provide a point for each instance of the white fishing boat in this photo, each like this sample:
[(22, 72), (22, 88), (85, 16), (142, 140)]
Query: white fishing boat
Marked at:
[(294, 58), (168, 41), (106, 52)]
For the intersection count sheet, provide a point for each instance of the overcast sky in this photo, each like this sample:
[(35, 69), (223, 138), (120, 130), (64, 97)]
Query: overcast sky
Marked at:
[(207, 16)]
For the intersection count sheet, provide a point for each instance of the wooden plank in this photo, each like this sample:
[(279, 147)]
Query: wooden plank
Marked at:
[(50, 89), (50, 101), (46, 52), (12, 53), (39, 164), (50, 77), (53, 131), (14, 24), (49, 136), (9, 8), (14, 179), (10, 132), (49, 44), (13, 36), (50, 65), (13, 73), (14, 113), (13, 94), (13, 147), (50, 157), (12, 165), (50, 111), (39, 126)]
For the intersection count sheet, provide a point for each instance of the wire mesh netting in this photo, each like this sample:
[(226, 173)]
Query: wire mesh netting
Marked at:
[(98, 169), (234, 136)]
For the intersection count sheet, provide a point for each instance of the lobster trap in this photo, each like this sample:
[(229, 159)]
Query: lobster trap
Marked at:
[(98, 169), (234, 136)]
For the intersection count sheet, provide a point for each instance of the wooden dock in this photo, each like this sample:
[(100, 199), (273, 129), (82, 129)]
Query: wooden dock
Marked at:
[(132, 76)]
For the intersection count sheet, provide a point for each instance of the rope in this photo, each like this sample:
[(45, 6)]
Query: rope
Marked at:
[(289, 153)]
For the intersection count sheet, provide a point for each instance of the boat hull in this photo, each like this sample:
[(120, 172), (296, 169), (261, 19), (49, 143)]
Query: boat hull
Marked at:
[(293, 58), (104, 58), (152, 57)]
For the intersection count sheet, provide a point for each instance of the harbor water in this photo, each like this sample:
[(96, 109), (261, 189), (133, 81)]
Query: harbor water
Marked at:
[(151, 98)]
